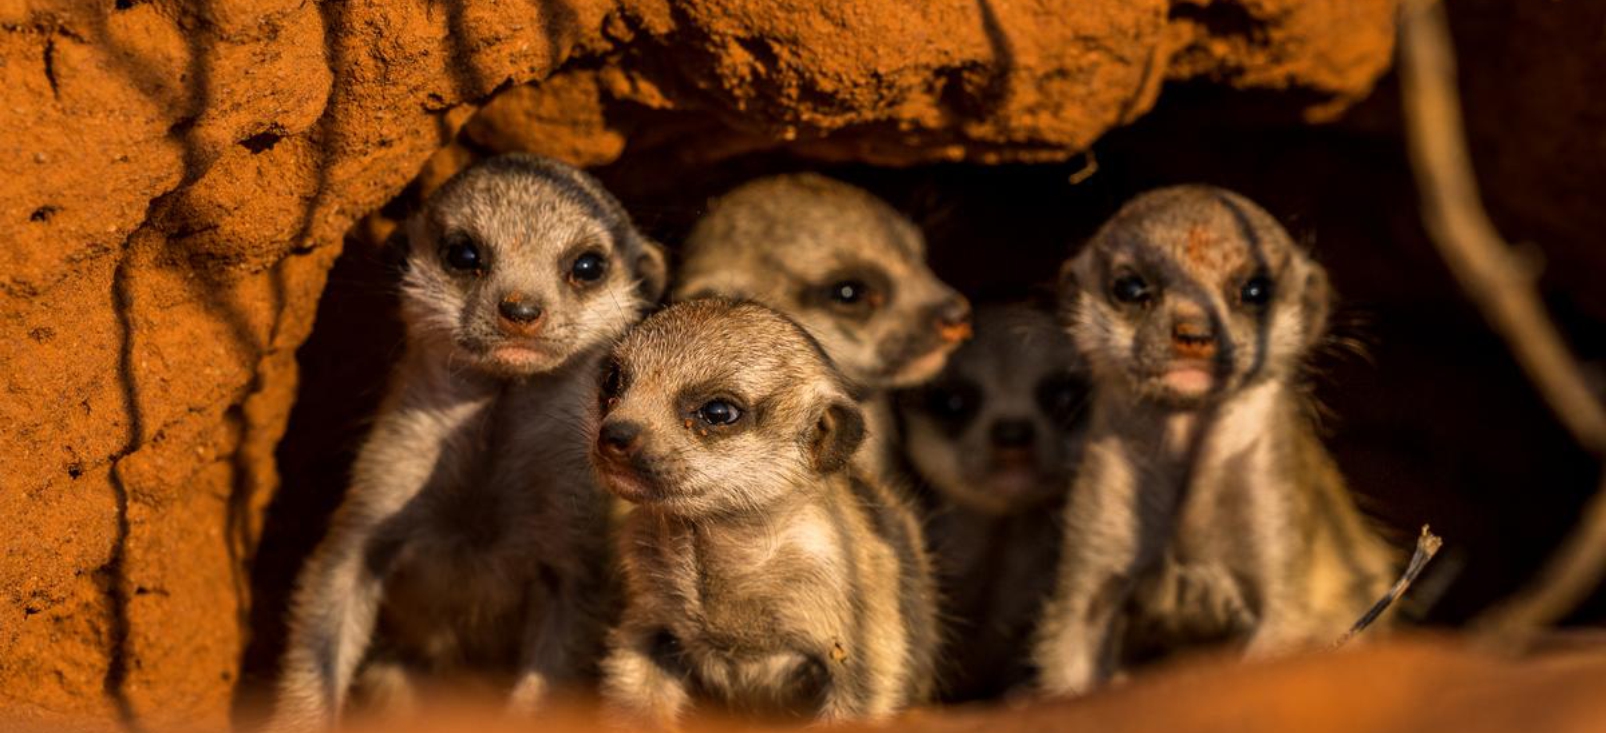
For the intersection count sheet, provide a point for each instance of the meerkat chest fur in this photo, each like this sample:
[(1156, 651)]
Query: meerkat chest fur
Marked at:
[(741, 587), (501, 492), (1197, 473)]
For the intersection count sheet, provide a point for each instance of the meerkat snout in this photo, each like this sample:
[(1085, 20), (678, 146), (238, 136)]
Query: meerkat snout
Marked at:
[(618, 439), (1012, 434), (617, 458), (519, 315), (953, 319)]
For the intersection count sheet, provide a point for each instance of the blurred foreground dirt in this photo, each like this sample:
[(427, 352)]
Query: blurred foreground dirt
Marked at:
[(1403, 686)]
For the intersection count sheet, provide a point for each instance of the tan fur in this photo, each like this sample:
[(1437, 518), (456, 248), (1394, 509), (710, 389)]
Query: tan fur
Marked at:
[(1204, 508), (471, 539), (788, 241), (995, 437), (763, 573)]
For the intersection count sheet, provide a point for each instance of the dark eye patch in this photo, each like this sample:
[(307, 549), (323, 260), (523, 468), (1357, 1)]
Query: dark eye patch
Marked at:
[(1063, 397), (1257, 291), (613, 384), (1131, 288), (855, 292), (951, 404)]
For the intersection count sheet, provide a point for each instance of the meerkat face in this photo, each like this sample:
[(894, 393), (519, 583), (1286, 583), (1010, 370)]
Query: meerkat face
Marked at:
[(843, 263), (712, 407), (518, 263), (998, 430), (1191, 293)]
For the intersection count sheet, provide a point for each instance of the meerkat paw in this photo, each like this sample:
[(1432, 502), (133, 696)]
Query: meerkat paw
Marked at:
[(1070, 678), (528, 695), (286, 720), (1281, 640)]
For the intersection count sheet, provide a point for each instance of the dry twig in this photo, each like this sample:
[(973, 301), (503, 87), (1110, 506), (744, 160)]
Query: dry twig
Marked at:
[(1427, 545), (1502, 286)]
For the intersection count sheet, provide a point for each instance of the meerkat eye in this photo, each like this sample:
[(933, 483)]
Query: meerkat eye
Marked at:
[(1131, 289), (1256, 291), (1062, 397), (461, 253), (849, 292), (719, 412), (588, 268), (952, 403), (853, 294)]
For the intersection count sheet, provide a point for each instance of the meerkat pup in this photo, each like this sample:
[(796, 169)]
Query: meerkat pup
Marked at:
[(1205, 507), (471, 540), (846, 266), (763, 573), (994, 437)]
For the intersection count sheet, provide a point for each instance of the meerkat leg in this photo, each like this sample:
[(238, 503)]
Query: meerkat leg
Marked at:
[(333, 621), (640, 684), (1077, 645), (387, 687), (1282, 619), (556, 627), (1284, 624), (839, 704)]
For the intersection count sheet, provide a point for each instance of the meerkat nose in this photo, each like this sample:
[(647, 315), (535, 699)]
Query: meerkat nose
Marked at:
[(953, 318), (1012, 433), (515, 308), (1193, 339), (619, 438)]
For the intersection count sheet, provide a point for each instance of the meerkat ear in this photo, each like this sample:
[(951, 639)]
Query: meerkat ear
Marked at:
[(835, 436), (652, 268), (1316, 302)]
